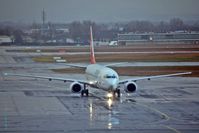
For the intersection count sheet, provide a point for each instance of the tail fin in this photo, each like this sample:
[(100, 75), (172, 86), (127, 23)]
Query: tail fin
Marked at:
[(92, 55)]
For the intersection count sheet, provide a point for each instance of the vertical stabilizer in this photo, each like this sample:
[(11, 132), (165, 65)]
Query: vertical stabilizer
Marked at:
[(92, 55)]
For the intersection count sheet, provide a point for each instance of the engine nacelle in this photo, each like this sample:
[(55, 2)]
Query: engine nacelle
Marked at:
[(130, 87), (76, 87)]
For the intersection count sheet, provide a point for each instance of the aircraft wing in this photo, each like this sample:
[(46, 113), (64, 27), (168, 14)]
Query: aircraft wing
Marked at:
[(49, 78), (152, 77)]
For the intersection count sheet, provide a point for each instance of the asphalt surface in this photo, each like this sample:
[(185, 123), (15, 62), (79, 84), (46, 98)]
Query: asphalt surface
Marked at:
[(168, 105)]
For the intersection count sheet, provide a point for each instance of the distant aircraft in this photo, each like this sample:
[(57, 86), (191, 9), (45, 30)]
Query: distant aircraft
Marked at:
[(113, 43), (99, 76)]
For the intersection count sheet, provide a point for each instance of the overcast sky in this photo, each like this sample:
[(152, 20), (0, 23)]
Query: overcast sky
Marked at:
[(98, 10)]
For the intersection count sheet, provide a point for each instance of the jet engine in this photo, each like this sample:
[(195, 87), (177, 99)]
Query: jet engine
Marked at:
[(76, 87), (130, 87)]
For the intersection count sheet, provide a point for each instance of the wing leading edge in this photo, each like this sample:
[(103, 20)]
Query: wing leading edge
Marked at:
[(49, 78), (152, 77)]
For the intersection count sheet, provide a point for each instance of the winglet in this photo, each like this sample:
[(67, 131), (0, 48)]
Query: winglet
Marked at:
[(92, 55)]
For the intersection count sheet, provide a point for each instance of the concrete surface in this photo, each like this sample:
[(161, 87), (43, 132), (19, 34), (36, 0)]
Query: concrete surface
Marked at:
[(168, 105)]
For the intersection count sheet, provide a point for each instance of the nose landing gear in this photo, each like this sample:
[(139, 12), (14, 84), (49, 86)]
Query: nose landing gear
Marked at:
[(114, 94)]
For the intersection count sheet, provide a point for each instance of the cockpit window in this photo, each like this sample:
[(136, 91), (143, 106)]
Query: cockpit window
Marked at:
[(110, 76)]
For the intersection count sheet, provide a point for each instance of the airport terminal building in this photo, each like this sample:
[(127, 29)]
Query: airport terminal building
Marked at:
[(158, 38)]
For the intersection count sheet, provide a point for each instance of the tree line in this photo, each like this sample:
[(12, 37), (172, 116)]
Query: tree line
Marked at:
[(79, 30), (109, 31)]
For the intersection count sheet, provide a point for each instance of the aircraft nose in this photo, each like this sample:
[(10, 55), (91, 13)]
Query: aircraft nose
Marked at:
[(113, 87), (113, 84)]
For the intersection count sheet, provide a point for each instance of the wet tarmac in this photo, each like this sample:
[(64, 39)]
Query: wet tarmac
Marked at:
[(168, 105)]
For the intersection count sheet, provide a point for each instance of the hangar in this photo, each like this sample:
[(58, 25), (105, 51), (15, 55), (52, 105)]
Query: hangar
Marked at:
[(158, 38), (5, 39)]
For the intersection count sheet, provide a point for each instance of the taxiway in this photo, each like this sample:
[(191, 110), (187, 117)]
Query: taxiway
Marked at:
[(168, 105)]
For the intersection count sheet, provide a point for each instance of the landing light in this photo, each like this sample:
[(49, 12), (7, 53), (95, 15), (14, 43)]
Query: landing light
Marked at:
[(92, 82), (109, 95)]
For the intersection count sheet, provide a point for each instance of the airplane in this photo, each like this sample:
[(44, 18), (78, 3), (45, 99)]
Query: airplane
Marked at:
[(100, 76)]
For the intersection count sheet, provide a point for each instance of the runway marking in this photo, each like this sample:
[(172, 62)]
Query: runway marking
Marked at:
[(66, 107), (5, 120), (173, 129), (163, 115)]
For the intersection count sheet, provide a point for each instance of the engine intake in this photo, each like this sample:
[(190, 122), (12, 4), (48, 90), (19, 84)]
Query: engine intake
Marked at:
[(130, 87), (76, 87)]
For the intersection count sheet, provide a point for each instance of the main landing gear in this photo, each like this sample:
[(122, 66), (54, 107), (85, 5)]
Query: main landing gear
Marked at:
[(84, 92)]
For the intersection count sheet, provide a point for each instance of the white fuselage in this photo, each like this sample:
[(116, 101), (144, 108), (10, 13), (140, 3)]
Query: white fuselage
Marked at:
[(102, 77)]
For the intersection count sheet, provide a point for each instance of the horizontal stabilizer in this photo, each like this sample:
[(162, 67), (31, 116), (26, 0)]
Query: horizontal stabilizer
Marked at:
[(75, 65), (116, 64)]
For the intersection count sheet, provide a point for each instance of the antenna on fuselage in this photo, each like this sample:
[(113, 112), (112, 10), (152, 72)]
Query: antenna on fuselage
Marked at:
[(92, 54)]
